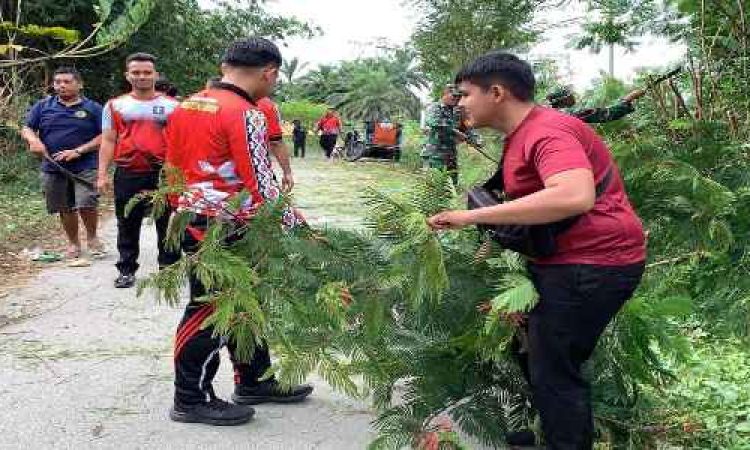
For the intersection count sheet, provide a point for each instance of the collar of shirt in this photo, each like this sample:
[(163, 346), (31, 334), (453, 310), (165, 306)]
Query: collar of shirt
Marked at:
[(79, 101), (530, 115), (236, 89)]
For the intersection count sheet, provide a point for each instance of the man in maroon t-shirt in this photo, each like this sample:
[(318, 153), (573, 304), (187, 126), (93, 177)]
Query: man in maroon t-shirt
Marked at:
[(552, 166)]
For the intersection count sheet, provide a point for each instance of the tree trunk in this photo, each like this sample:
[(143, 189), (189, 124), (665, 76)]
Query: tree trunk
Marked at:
[(611, 60)]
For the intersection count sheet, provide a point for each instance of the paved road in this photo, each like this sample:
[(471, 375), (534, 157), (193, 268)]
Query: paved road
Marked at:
[(84, 365)]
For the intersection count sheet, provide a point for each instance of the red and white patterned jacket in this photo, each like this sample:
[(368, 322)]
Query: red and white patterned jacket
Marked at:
[(218, 140)]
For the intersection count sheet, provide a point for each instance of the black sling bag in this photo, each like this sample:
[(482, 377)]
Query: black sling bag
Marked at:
[(534, 241)]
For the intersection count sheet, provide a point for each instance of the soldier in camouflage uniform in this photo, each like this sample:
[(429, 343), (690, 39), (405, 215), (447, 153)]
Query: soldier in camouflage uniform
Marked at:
[(438, 124), (563, 98)]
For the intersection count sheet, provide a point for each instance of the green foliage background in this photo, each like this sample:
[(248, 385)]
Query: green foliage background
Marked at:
[(672, 370)]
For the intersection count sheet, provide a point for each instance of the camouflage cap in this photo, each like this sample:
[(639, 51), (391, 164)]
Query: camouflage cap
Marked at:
[(453, 89), (558, 94)]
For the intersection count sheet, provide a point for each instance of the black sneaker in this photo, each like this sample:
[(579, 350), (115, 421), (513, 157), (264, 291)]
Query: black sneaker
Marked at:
[(270, 392), (522, 438), (215, 412), (125, 280)]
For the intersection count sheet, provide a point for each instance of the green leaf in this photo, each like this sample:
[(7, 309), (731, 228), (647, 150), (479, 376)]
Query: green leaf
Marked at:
[(519, 295), (674, 306)]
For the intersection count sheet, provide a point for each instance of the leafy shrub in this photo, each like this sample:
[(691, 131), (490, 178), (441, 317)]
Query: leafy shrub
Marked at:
[(302, 110)]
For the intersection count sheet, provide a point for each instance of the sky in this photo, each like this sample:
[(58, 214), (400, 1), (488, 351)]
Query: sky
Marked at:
[(350, 25)]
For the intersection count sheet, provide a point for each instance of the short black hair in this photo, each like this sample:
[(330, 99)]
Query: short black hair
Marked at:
[(68, 70), (140, 56), (163, 85), (252, 52), (499, 67)]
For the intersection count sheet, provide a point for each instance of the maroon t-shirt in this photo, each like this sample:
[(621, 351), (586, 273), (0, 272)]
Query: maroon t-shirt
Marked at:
[(548, 142)]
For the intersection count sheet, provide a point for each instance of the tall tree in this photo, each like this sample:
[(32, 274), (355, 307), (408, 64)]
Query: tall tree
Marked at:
[(613, 23), (452, 33), (187, 39), (37, 34), (31, 43)]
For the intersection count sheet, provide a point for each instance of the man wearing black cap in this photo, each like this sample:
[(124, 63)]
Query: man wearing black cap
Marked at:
[(218, 140)]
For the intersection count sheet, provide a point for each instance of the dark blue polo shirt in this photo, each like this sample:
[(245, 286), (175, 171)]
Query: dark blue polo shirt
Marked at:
[(63, 127)]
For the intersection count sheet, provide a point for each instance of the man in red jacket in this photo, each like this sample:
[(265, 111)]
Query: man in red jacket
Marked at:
[(218, 140), (275, 136), (555, 167)]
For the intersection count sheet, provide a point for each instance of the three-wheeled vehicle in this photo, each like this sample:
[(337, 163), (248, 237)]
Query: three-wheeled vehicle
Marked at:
[(382, 139)]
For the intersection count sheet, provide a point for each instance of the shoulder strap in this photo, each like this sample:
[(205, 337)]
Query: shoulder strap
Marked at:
[(496, 183), (604, 184)]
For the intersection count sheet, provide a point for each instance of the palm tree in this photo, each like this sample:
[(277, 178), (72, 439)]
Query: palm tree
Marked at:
[(318, 84), (374, 95), (380, 87), (292, 67), (369, 88)]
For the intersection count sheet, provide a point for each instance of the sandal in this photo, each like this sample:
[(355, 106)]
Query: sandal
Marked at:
[(79, 262), (73, 253), (97, 249)]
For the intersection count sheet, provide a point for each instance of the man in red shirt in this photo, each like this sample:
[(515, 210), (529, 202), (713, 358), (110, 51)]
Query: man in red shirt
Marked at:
[(218, 139), (330, 127), (275, 136), (552, 166), (132, 137)]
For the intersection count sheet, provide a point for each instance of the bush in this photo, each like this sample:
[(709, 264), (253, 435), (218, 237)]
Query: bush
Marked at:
[(302, 110), (709, 406), (411, 145)]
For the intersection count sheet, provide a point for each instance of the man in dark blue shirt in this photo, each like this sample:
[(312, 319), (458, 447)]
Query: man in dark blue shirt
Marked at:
[(66, 127)]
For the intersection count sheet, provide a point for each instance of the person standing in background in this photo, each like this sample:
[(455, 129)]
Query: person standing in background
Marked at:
[(564, 99), (65, 129), (439, 124), (329, 126), (299, 137), (133, 138)]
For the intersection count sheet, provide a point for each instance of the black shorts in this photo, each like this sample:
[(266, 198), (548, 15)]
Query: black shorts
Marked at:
[(63, 194)]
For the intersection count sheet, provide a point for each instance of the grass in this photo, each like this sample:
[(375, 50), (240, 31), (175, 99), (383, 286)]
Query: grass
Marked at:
[(330, 192), (23, 216), (473, 167)]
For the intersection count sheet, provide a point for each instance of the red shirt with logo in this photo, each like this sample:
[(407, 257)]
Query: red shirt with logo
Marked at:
[(140, 130), (548, 142), (218, 140)]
